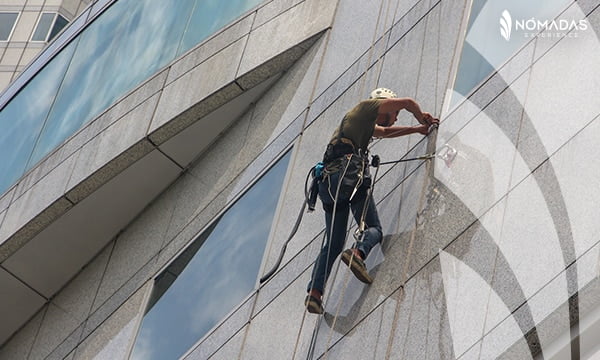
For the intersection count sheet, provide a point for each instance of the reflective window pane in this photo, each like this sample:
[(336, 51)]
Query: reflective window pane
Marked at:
[(210, 16), (492, 36), (59, 24), (43, 26), (129, 42), (472, 70), (22, 119), (7, 22), (213, 275), (115, 54)]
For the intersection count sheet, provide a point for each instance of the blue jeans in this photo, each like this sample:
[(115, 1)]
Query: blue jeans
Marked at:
[(336, 236)]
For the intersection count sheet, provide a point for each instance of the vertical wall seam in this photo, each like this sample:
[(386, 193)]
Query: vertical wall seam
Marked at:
[(247, 36), (160, 94), (91, 311), (246, 326), (37, 333)]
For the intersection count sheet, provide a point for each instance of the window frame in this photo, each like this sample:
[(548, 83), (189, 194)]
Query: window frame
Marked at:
[(67, 22), (50, 28), (450, 104), (14, 25)]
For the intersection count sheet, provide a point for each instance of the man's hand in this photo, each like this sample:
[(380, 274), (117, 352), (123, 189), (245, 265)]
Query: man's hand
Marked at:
[(428, 119), (422, 129)]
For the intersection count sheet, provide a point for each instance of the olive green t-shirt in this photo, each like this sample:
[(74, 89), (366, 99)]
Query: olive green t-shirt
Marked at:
[(358, 124)]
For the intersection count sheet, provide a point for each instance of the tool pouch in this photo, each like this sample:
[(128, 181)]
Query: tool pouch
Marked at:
[(351, 169)]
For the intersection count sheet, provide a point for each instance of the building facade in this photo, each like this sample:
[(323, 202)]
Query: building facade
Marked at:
[(26, 27), (153, 161)]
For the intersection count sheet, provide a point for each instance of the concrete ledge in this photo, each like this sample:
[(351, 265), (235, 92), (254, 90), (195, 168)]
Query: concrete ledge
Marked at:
[(276, 64), (101, 176), (33, 227), (162, 129), (189, 116), (21, 298)]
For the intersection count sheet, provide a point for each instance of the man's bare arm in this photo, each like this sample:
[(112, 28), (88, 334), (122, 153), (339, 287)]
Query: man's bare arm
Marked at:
[(396, 131), (388, 106)]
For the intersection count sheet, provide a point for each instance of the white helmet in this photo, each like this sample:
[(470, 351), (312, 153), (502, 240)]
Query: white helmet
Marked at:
[(382, 93)]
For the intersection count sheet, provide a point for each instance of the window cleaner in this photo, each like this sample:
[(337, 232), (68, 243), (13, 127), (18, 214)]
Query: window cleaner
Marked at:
[(346, 184)]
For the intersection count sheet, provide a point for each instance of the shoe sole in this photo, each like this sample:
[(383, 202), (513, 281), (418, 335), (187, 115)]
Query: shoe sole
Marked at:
[(313, 307), (358, 271)]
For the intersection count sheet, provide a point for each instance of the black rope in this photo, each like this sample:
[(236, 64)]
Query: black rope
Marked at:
[(283, 248), (422, 157), (270, 273)]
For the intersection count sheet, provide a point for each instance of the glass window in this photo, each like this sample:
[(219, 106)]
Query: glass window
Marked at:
[(43, 26), (48, 26), (59, 24), (7, 23), (213, 275), (210, 16), (21, 120), (492, 36), (114, 54)]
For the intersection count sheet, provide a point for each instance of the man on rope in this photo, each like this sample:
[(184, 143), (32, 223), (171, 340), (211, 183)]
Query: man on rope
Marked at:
[(345, 184)]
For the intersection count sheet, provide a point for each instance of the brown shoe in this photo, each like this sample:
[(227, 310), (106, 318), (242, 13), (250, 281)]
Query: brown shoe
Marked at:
[(313, 305), (357, 266)]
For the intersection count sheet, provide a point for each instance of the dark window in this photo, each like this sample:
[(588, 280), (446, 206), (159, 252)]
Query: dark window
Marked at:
[(213, 275), (7, 24), (48, 26), (59, 24)]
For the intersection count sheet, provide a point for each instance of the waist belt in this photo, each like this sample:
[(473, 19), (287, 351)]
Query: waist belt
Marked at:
[(338, 148)]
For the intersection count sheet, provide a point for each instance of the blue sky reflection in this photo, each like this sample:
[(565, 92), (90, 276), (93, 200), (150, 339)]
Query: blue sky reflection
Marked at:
[(485, 49), (115, 54), (209, 16), (124, 46), (20, 122), (221, 273)]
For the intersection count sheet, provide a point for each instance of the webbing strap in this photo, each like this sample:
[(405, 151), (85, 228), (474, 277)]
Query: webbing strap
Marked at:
[(311, 350)]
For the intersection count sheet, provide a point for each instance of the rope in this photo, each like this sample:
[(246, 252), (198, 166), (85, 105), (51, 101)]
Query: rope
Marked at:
[(312, 96), (437, 65), (299, 332), (318, 322), (427, 156), (310, 353), (361, 90), (387, 43), (371, 48), (347, 276), (424, 157), (266, 276), (337, 310)]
